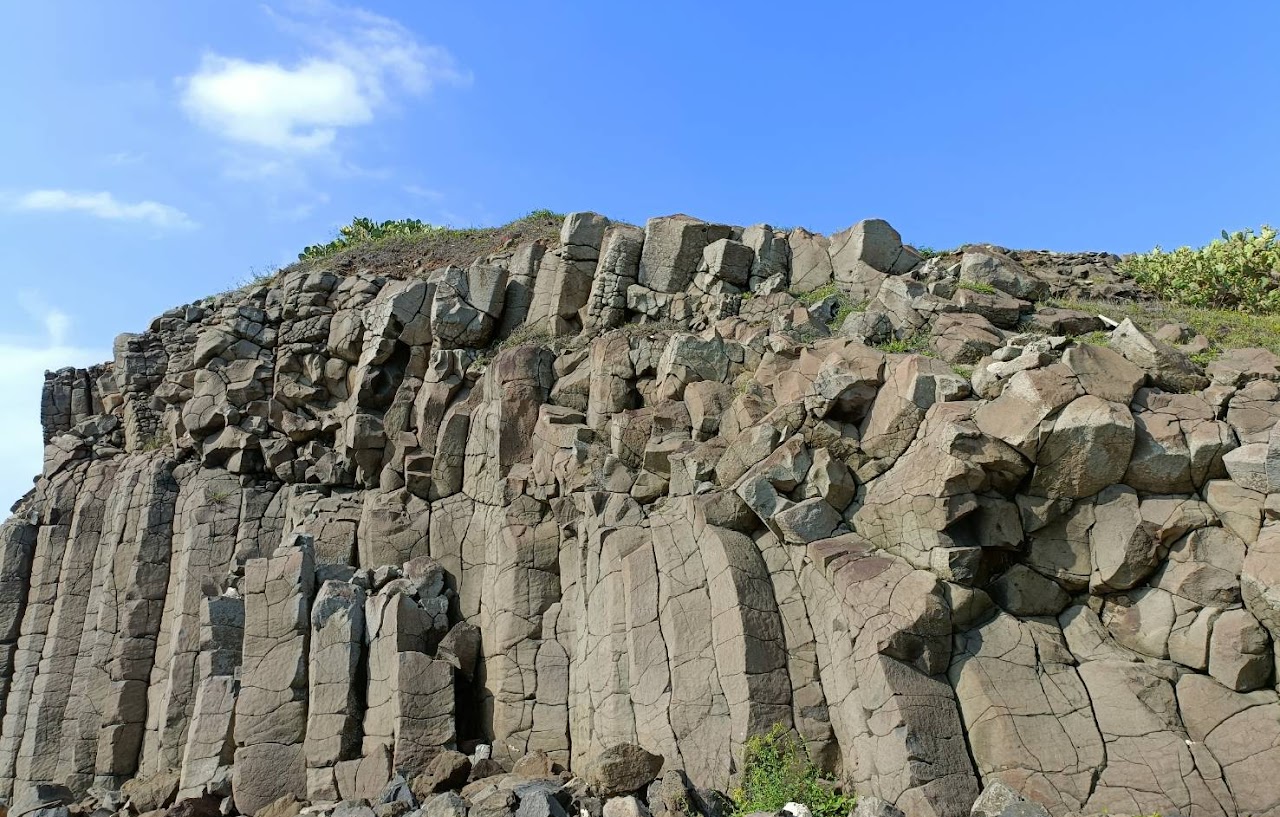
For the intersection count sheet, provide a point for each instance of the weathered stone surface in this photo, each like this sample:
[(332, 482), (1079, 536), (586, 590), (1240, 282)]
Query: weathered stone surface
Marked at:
[(673, 248), (1242, 735), (964, 337), (997, 270), (623, 768), (151, 793), (810, 260), (1027, 713), (1260, 579), (670, 511), (1167, 367), (1240, 656), (867, 251), (1023, 592), (1103, 372), (1086, 451), (447, 770), (271, 709), (995, 798)]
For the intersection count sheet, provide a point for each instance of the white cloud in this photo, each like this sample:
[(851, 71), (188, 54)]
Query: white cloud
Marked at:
[(360, 59), (23, 362), (104, 205)]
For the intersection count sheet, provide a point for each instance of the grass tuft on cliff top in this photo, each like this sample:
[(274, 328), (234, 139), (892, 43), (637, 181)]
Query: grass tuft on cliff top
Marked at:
[(400, 248)]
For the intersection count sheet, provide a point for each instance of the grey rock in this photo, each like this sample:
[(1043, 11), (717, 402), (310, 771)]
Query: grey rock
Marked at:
[(622, 768)]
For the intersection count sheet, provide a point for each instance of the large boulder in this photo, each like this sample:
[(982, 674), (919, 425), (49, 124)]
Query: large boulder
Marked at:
[(1167, 367), (994, 269), (1087, 450), (673, 248), (863, 255), (622, 768)]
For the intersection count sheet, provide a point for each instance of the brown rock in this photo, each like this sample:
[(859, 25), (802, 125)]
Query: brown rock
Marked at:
[(447, 770), (622, 768), (150, 793), (286, 806)]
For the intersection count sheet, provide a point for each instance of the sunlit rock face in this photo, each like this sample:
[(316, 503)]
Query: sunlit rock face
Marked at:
[(653, 487)]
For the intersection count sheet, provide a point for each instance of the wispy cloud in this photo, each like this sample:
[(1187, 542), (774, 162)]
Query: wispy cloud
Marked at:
[(103, 205), (24, 359), (360, 61), (420, 192), (124, 158)]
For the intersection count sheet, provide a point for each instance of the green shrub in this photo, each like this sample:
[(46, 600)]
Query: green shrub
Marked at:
[(1239, 271), (362, 230), (776, 770)]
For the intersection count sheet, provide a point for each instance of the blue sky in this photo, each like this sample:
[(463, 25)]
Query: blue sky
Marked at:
[(154, 152)]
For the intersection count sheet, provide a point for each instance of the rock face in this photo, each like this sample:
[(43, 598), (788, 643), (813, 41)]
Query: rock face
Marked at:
[(302, 539)]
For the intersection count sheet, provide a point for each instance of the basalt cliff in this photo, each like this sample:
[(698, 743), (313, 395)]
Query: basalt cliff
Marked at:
[(651, 487)]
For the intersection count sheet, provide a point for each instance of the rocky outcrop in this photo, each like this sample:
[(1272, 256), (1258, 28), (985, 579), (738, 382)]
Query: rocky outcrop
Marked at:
[(619, 504)]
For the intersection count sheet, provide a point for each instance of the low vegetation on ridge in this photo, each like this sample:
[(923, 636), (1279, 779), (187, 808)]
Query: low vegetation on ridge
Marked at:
[(1239, 271), (397, 246)]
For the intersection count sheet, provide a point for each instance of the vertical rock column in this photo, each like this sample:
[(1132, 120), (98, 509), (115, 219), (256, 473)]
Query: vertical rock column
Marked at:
[(204, 546), (38, 753), (271, 711), (17, 543), (410, 694), (46, 566), (136, 583), (210, 746), (335, 702)]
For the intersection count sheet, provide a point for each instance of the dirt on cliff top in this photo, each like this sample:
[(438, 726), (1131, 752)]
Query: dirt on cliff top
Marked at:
[(411, 256)]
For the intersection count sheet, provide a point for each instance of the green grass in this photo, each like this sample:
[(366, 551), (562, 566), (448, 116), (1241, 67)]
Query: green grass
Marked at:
[(916, 344), (844, 305), (818, 295), (365, 231), (220, 497), (153, 442), (1225, 328), (977, 286), (393, 247), (1098, 338), (526, 335), (777, 770)]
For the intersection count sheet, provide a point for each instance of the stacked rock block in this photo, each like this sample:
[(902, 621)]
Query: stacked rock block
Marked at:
[(627, 488)]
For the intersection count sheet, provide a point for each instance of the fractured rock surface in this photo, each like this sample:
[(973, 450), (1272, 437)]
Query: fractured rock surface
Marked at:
[(618, 504)]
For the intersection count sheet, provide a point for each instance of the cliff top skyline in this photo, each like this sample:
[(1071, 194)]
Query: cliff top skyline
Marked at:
[(157, 155)]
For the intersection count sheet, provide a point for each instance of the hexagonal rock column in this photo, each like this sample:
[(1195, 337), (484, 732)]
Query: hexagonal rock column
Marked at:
[(133, 596), (17, 544), (564, 281), (672, 249), (410, 700), (210, 745), (335, 700), (883, 637), (271, 712)]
